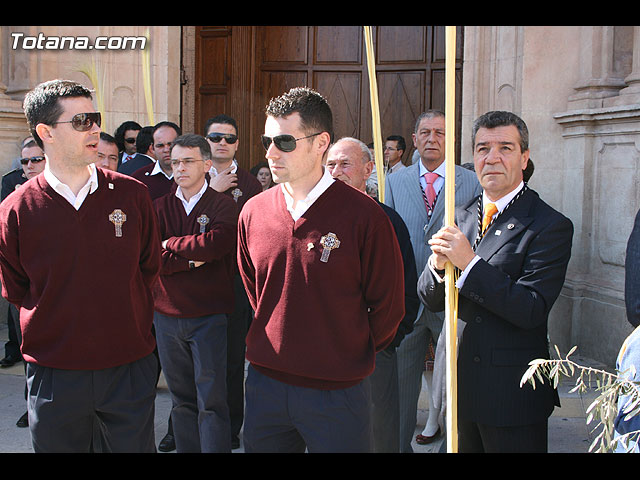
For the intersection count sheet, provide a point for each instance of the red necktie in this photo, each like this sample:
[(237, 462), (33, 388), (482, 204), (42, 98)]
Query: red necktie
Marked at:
[(430, 193)]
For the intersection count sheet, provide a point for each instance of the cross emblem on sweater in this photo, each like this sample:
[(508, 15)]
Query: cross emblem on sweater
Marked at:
[(328, 242), (118, 217)]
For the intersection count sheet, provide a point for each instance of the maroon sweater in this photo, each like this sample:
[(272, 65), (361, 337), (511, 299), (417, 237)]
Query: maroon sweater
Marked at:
[(208, 289), (320, 324), (157, 184), (248, 186), (84, 294)]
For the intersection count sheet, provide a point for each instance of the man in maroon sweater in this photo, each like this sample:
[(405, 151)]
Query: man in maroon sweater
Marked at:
[(227, 177), (193, 296), (323, 272), (85, 318), (158, 176)]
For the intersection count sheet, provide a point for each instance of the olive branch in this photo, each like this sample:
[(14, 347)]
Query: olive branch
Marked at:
[(604, 409)]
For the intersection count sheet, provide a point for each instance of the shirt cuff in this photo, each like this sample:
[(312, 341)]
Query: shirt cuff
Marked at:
[(439, 278), (465, 272)]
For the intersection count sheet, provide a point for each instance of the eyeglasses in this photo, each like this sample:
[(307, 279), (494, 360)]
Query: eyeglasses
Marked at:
[(187, 162), (131, 140), (216, 137), (82, 122), (24, 161), (286, 143)]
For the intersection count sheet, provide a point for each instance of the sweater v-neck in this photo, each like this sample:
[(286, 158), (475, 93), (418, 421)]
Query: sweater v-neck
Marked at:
[(309, 213), (51, 192)]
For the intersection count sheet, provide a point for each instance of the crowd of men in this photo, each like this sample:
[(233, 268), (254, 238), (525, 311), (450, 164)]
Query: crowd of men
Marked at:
[(169, 255)]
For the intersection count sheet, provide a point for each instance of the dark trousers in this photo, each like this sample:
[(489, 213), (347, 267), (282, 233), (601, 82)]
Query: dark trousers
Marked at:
[(478, 438), (237, 327), (193, 353), (109, 410), (288, 419), (385, 403)]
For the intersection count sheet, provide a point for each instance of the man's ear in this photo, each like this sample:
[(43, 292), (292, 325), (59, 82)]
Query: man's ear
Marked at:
[(44, 132), (368, 168), (324, 142)]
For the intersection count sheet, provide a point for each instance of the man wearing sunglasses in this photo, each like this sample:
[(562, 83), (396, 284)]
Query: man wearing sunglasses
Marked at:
[(323, 272), (86, 318), (125, 136), (226, 176), (32, 163), (221, 132)]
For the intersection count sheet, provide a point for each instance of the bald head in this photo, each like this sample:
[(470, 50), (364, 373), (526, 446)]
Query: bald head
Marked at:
[(350, 160)]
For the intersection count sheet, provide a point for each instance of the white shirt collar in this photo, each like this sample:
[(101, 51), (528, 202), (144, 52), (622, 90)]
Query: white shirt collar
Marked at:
[(440, 170), (157, 169), (303, 205), (64, 190), (234, 167), (504, 201), (189, 204)]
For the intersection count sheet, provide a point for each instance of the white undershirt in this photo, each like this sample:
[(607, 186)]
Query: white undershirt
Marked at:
[(303, 205), (64, 190), (500, 204), (189, 204)]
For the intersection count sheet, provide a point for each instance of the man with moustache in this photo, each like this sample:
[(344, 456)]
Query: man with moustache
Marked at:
[(512, 267)]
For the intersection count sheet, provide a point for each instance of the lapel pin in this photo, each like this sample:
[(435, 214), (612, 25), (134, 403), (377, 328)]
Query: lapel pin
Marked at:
[(511, 226), (498, 232)]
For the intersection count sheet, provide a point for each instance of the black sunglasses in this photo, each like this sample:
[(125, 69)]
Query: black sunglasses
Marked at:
[(131, 140), (24, 161), (286, 143), (82, 122), (230, 138)]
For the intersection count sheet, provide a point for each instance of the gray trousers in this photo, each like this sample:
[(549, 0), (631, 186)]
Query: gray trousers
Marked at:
[(411, 355), (81, 411), (385, 403), (282, 418), (193, 355)]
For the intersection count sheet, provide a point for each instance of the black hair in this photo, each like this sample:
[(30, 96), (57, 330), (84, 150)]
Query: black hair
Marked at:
[(41, 105)]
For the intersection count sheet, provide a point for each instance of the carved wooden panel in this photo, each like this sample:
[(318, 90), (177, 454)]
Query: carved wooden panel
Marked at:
[(240, 68)]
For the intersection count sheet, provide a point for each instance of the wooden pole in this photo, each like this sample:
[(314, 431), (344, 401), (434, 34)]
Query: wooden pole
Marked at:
[(146, 80), (375, 113), (451, 295)]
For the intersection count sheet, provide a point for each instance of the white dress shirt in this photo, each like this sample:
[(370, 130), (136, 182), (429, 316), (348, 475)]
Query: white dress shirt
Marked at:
[(157, 169), (500, 204), (189, 204), (64, 190), (303, 205)]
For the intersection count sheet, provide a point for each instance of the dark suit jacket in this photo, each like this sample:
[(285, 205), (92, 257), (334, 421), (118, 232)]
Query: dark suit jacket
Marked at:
[(136, 163), (505, 303), (411, 301), (632, 275), (11, 180)]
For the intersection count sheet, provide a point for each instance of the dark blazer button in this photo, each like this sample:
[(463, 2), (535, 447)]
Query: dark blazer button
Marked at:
[(476, 359), (478, 319)]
